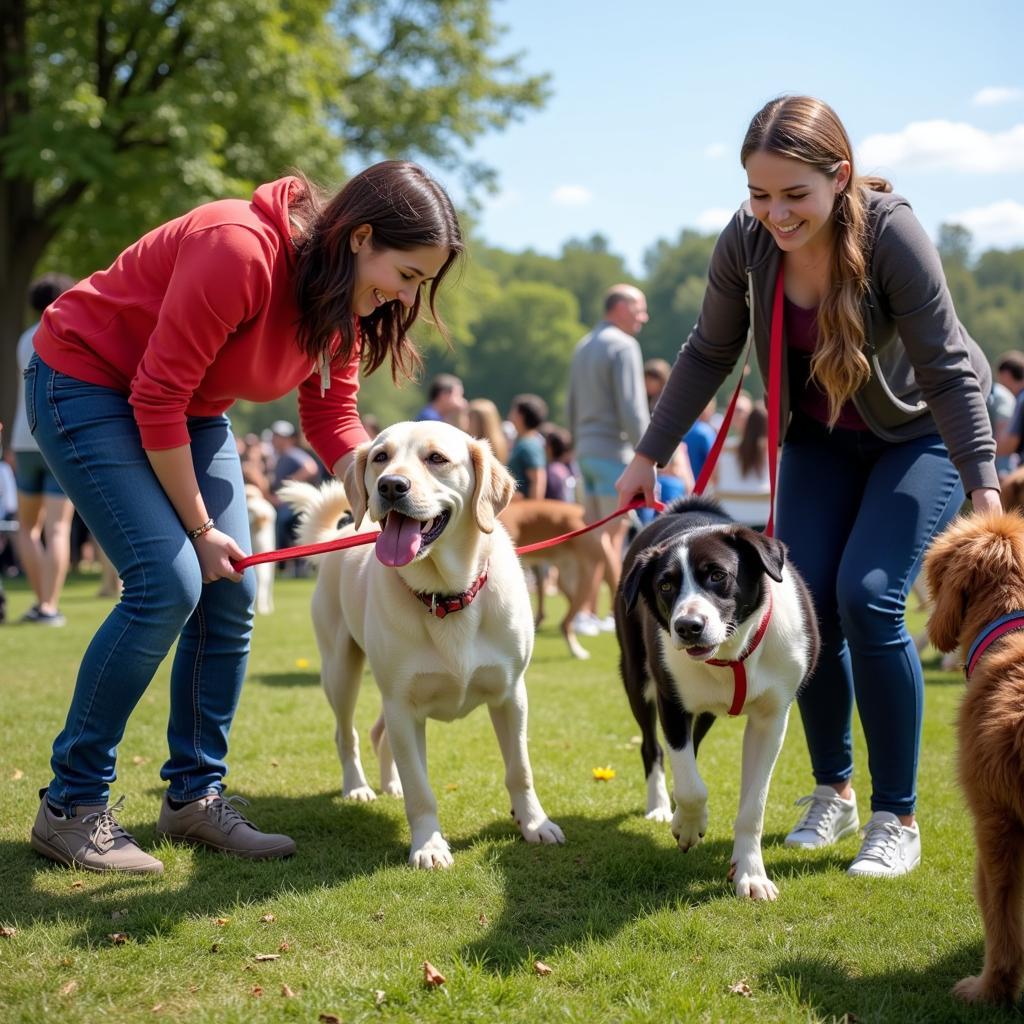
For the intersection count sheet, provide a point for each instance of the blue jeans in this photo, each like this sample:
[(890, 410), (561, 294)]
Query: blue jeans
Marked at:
[(857, 514), (90, 440)]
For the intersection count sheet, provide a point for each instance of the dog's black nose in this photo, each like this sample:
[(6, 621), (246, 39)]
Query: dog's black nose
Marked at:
[(393, 487), (690, 627)]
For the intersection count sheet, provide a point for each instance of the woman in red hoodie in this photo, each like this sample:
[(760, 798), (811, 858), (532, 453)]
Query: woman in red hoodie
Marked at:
[(134, 370)]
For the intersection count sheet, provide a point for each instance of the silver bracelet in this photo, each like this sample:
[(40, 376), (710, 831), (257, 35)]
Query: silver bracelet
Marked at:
[(199, 531)]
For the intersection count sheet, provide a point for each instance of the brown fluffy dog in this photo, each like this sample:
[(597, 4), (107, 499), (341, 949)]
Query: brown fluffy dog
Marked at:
[(1012, 489), (975, 573), (531, 520)]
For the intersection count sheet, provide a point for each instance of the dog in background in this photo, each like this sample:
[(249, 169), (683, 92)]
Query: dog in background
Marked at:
[(532, 520), (262, 518), (705, 608), (439, 608), (975, 572)]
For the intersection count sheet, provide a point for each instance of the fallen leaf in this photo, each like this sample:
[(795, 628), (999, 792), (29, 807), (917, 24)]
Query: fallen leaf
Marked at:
[(221, 921), (77, 884), (256, 990), (603, 774), (157, 1008), (139, 759), (379, 916), (432, 977), (69, 987), (266, 918), (283, 948), (483, 920), (741, 988), (541, 968), (379, 996), (451, 787), (287, 992), (18, 774), (329, 1018), (118, 938), (215, 948), (8, 933), (274, 764), (263, 957)]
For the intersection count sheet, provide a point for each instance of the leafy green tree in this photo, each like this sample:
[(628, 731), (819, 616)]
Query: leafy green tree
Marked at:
[(118, 114), (523, 341)]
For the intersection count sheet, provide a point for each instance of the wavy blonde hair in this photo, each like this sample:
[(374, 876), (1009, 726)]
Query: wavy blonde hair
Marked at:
[(485, 423), (806, 129)]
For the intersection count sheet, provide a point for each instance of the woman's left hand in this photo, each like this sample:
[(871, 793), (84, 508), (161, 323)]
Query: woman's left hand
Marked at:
[(986, 499)]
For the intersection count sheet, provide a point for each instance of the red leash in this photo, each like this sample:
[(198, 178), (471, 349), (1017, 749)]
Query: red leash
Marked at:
[(356, 539), (773, 410)]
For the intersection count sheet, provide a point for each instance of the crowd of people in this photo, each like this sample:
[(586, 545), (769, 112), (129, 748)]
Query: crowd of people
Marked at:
[(129, 374)]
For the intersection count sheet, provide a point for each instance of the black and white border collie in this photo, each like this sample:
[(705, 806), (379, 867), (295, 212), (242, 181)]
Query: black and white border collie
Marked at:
[(697, 588)]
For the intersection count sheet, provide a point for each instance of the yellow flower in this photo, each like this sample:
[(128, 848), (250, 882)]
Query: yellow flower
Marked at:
[(603, 774), (302, 662)]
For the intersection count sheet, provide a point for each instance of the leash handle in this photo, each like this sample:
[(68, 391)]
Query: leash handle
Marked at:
[(357, 539)]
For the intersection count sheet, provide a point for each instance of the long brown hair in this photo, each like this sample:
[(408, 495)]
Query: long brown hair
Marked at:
[(806, 129), (752, 450), (406, 209)]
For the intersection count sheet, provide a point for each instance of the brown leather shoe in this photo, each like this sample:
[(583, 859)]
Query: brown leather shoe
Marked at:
[(92, 839), (216, 822)]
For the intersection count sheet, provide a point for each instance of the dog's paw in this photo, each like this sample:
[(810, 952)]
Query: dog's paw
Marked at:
[(361, 794), (434, 853), (392, 789), (659, 814), (752, 883), (546, 832), (977, 990), (689, 827)]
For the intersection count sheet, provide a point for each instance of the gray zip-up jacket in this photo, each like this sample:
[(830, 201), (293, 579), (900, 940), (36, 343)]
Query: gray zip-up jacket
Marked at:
[(927, 373)]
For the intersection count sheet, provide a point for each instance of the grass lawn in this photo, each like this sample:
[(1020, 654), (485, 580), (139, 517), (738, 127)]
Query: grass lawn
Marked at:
[(632, 929)]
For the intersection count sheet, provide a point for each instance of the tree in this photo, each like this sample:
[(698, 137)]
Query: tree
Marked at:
[(523, 341), (118, 114)]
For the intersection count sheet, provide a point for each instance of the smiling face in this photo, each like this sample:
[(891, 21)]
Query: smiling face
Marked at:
[(390, 275), (794, 200)]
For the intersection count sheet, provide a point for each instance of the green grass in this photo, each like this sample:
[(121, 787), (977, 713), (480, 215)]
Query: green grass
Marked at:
[(632, 929)]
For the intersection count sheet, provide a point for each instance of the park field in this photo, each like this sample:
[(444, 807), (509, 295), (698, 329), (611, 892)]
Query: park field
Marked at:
[(617, 925)]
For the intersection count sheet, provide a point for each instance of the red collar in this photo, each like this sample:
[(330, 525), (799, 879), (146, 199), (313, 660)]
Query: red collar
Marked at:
[(739, 673), (441, 604)]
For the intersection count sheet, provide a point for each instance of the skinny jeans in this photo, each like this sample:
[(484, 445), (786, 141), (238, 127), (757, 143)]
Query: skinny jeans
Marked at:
[(857, 514), (90, 440)]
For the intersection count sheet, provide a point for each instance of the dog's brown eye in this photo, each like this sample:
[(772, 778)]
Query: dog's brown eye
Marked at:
[(717, 575), (381, 456), (436, 458), (665, 586)]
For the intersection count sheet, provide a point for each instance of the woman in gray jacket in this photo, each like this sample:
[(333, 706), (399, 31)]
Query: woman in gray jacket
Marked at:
[(885, 429)]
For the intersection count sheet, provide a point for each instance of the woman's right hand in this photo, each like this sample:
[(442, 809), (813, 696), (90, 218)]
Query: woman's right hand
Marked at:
[(639, 477), (215, 551)]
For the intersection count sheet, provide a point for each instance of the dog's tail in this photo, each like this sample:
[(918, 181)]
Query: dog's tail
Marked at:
[(319, 509)]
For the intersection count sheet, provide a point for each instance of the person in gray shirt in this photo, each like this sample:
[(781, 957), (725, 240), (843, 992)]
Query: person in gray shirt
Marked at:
[(885, 426), (606, 412)]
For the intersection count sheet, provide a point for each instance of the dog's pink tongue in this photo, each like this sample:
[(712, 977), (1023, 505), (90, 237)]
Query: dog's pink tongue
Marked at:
[(399, 540)]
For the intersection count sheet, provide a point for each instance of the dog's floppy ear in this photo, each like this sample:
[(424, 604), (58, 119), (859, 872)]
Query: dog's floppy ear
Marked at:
[(633, 582), (355, 483), (771, 553), (493, 487)]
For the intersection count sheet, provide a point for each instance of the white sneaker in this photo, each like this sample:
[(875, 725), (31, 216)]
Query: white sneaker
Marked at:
[(586, 624), (889, 848), (828, 819), (607, 624)]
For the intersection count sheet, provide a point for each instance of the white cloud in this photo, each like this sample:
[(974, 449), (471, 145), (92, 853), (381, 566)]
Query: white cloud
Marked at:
[(996, 94), (944, 145), (715, 151), (571, 195), (996, 226), (714, 219)]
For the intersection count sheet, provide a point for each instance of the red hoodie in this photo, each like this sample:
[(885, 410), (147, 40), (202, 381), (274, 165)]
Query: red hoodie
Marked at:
[(196, 314)]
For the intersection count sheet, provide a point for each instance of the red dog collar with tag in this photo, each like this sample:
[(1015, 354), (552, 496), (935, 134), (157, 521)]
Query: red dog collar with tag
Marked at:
[(442, 604), (739, 672)]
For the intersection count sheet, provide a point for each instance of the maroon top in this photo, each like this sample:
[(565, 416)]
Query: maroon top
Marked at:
[(801, 327)]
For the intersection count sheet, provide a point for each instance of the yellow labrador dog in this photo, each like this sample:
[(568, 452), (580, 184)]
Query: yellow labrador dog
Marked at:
[(438, 605)]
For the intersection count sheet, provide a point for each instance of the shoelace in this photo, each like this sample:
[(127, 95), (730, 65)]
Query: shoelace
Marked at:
[(107, 829), (881, 841), (819, 814), (226, 814)]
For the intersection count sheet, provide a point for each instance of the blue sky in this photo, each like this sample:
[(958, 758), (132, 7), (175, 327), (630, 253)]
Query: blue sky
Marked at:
[(651, 100)]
